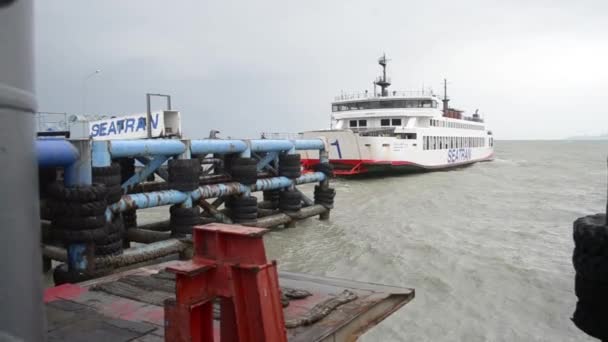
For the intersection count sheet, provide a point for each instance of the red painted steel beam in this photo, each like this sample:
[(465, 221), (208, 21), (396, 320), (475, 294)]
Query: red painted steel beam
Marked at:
[(229, 263)]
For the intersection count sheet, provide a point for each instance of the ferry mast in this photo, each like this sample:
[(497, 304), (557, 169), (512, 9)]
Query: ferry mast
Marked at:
[(383, 81)]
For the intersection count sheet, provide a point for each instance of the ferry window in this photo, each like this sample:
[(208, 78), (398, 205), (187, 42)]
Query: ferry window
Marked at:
[(353, 123), (426, 104), (399, 104), (353, 106), (362, 123), (396, 122), (434, 104), (387, 104), (385, 122), (343, 107), (410, 136), (334, 108)]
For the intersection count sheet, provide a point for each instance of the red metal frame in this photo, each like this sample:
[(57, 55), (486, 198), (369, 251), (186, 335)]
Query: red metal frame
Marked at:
[(229, 262)]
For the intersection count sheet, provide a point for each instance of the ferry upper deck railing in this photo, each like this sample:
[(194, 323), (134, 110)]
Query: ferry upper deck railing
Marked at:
[(371, 95), (281, 135), (51, 121)]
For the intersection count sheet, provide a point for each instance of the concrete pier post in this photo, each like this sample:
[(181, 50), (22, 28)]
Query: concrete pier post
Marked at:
[(21, 309)]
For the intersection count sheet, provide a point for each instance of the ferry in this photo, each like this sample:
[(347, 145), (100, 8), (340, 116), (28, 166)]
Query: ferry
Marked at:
[(390, 131)]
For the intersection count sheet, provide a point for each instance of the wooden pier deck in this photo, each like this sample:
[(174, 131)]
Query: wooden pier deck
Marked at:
[(127, 306)]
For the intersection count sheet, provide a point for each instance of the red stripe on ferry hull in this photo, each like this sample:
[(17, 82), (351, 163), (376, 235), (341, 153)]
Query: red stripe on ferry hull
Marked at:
[(348, 167)]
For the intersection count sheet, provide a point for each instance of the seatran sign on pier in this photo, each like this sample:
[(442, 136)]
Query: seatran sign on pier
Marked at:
[(135, 126)]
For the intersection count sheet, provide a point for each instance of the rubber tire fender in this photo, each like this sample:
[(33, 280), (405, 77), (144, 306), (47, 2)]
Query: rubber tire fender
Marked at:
[(79, 223)]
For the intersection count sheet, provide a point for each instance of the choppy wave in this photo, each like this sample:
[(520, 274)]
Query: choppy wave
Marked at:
[(487, 247)]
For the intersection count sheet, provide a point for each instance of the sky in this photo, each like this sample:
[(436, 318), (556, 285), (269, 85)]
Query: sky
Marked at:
[(535, 69)]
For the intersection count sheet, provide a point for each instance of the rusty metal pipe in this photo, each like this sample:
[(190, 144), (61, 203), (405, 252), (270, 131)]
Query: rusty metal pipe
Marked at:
[(156, 226), (145, 253), (303, 213), (147, 236), (55, 252)]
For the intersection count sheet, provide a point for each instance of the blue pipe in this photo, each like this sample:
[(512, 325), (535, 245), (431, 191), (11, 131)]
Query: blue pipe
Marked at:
[(267, 145), (217, 190), (268, 158), (149, 169), (207, 146), (160, 198), (55, 152), (309, 144), (149, 200), (146, 147)]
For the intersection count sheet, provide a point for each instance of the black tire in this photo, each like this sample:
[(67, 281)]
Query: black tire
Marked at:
[(244, 174), (319, 189), (290, 202), (178, 230), (185, 176), (129, 218), (81, 194), (184, 187), (590, 257), (289, 159), (176, 210), (290, 168), (593, 291), (79, 223), (117, 225), (73, 209), (127, 168), (327, 169), (290, 207), (324, 198), (242, 201), (185, 220), (590, 233), (290, 198), (61, 275), (112, 248), (114, 194), (245, 210), (184, 167), (591, 318), (271, 195), (243, 162), (80, 236), (46, 177), (240, 216), (591, 267), (109, 238), (108, 180), (112, 170), (290, 174), (327, 195)]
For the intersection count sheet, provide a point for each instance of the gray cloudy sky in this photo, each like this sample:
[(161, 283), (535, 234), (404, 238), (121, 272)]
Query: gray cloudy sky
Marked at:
[(535, 69)]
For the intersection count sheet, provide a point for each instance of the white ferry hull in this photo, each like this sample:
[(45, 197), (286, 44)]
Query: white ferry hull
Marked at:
[(353, 154)]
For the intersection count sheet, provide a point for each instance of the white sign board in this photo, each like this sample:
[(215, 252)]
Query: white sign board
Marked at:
[(131, 127)]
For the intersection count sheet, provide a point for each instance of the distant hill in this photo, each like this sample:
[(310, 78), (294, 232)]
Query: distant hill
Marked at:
[(589, 137)]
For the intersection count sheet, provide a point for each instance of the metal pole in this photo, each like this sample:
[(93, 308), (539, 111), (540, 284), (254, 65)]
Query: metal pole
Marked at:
[(84, 90), (21, 309), (148, 116)]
